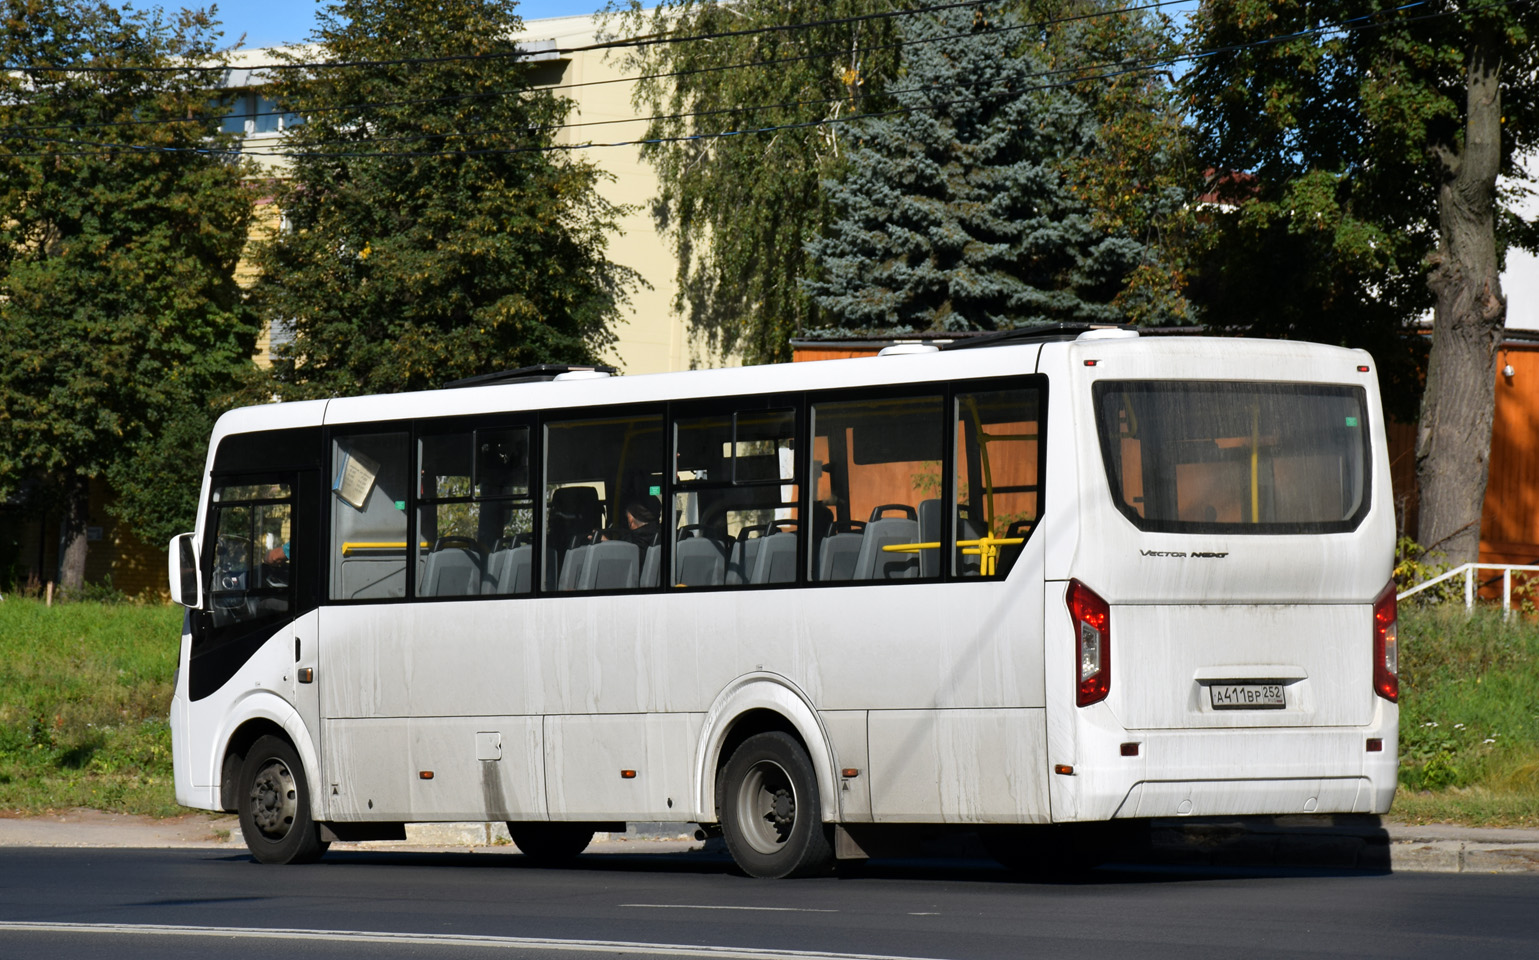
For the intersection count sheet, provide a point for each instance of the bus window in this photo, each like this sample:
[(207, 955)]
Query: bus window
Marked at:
[(879, 467), (368, 516), (475, 519), (735, 510), (250, 581), (603, 499), (1235, 457), (997, 490)]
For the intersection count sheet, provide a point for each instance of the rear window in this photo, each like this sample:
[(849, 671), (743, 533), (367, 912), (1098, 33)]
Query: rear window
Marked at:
[(1235, 457)]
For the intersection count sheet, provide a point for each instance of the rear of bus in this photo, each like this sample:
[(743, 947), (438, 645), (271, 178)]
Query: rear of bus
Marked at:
[(1220, 616)]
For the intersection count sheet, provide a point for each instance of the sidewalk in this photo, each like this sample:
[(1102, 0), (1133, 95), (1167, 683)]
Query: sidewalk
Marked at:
[(1357, 842)]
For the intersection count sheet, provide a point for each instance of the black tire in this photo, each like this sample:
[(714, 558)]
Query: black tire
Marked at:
[(771, 815), (551, 844), (274, 802)]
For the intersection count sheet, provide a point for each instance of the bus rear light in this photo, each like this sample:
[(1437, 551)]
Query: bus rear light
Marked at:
[(1092, 626), (1130, 749), (1375, 744), (1386, 646)]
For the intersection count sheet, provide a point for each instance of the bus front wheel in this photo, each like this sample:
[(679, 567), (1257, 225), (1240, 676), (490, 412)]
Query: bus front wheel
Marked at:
[(771, 815), (274, 803)]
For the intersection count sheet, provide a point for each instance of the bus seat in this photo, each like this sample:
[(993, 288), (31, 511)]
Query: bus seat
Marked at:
[(651, 565), (874, 563), (454, 568), (929, 532), (574, 515), (572, 568), (517, 573), (610, 565), (699, 561), (776, 561), (745, 552), (840, 550)]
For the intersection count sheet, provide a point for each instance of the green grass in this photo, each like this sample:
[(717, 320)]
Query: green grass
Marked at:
[(85, 689), (1469, 717)]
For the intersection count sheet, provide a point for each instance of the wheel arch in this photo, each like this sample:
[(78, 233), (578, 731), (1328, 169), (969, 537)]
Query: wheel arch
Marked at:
[(266, 714), (759, 703)]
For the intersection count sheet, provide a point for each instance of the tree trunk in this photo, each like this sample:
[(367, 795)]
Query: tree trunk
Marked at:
[(1453, 439), (77, 516)]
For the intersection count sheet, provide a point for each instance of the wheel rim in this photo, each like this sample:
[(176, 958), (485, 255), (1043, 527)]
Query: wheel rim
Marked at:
[(274, 800), (766, 807)]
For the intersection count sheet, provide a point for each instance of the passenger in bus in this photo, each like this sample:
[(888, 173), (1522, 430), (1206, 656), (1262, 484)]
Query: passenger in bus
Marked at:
[(640, 524)]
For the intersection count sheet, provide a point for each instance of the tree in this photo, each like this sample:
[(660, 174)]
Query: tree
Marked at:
[(119, 313), (431, 233), (740, 209), (961, 212), (1370, 137)]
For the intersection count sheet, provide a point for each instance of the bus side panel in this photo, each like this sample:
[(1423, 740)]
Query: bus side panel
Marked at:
[(368, 769), (958, 766), (588, 757)]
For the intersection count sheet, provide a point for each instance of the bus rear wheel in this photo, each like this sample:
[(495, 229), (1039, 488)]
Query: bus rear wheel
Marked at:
[(771, 815), (274, 803), (550, 844)]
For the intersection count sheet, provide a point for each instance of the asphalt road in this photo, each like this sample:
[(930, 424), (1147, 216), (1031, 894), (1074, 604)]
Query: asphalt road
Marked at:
[(196, 903)]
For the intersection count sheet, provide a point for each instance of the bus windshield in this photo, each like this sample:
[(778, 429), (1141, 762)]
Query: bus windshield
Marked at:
[(1235, 457)]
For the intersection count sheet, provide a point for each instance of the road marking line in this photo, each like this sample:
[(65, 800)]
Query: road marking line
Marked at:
[(443, 939), (713, 906)]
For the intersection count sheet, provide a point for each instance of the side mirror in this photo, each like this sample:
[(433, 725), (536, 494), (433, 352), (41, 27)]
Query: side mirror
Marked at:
[(182, 570)]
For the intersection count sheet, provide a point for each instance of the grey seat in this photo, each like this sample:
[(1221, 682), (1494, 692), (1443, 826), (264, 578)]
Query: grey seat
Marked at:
[(454, 568), (776, 559), (572, 566), (874, 563), (745, 553), (610, 565), (839, 552), (651, 565), (511, 570), (699, 561)]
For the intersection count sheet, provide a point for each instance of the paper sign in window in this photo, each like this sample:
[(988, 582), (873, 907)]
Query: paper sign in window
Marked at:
[(356, 478)]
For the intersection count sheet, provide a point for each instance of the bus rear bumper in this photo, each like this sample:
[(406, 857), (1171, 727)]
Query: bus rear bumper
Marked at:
[(1205, 798), (1181, 773)]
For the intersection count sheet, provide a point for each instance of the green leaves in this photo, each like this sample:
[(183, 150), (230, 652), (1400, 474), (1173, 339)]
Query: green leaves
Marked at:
[(430, 237), (119, 312)]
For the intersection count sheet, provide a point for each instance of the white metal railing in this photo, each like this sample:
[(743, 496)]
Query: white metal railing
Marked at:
[(1467, 570)]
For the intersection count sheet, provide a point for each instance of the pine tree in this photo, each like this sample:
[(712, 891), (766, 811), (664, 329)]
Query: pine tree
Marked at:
[(959, 212), (431, 234), (121, 222)]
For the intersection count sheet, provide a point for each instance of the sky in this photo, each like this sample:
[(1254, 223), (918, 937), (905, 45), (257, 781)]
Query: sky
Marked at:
[(267, 23)]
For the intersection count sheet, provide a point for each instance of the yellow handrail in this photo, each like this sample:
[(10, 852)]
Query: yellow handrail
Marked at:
[(350, 546), (987, 548)]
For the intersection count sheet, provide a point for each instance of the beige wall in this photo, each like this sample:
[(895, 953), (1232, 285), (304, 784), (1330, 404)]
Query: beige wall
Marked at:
[(652, 337)]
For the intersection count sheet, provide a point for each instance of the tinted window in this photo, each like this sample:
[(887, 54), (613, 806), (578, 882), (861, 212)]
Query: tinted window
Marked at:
[(1235, 457)]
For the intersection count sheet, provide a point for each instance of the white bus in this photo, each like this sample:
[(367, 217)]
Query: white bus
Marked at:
[(1081, 576)]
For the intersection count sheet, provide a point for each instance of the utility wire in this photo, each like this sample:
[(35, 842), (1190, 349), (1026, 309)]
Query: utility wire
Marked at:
[(359, 108), (450, 58), (1130, 67)]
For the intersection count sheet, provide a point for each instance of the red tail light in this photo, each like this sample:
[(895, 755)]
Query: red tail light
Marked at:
[(1386, 646), (1092, 627)]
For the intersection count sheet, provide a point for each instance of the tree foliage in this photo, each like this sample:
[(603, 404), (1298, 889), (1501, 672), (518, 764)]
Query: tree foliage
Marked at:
[(974, 205), (430, 234), (1358, 145), (119, 313), (741, 208)]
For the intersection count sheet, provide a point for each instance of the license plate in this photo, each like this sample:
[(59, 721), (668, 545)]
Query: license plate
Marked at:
[(1246, 696)]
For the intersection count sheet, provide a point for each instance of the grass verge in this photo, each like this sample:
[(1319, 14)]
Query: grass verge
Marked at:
[(85, 689), (1469, 717)]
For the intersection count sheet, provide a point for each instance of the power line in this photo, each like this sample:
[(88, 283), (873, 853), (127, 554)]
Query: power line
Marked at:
[(358, 108), (1129, 67), (450, 58)]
